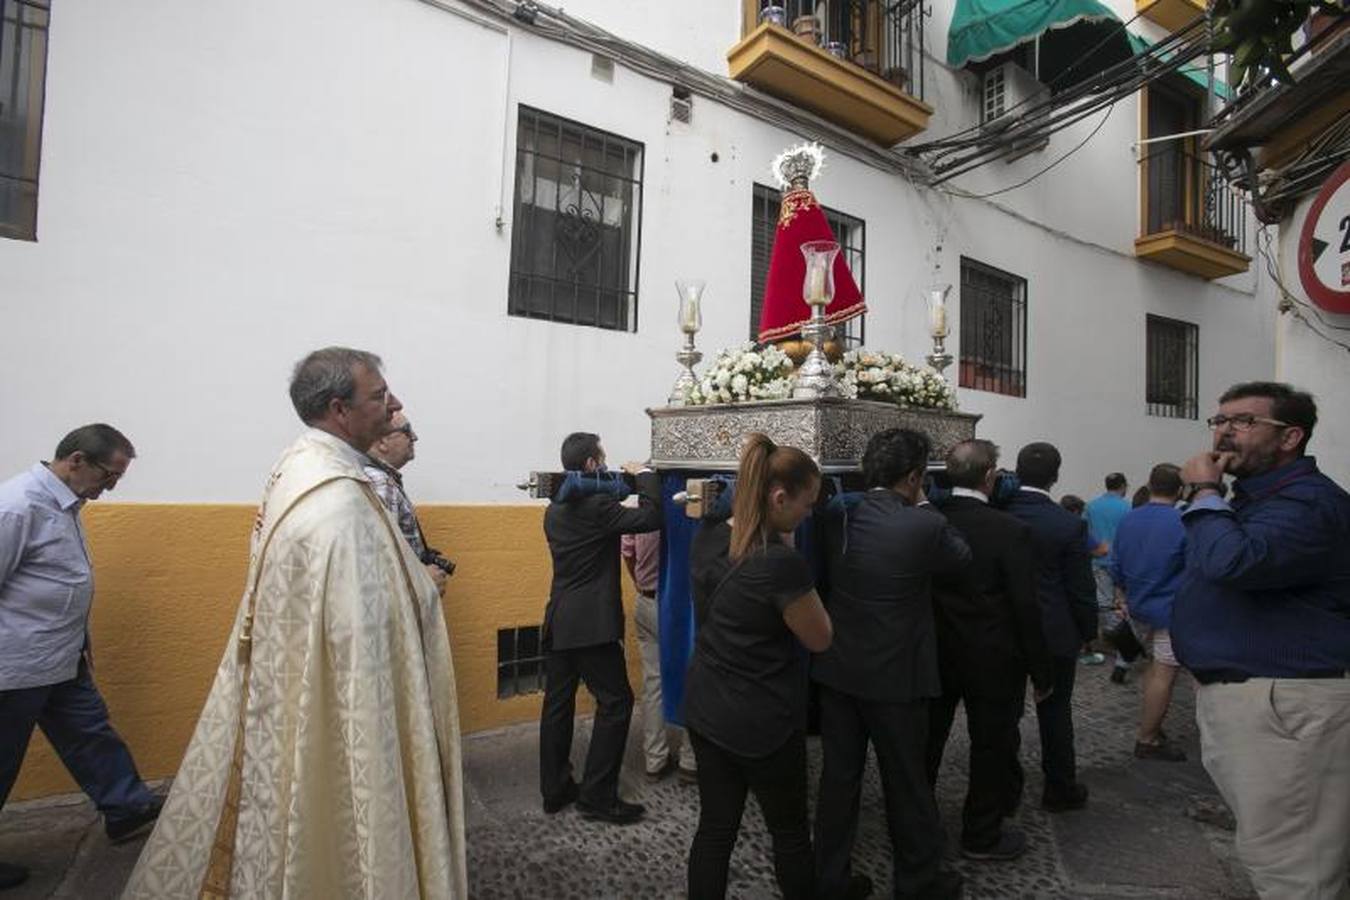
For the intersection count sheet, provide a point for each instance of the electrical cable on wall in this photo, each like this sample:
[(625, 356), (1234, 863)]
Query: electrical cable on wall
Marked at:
[(960, 193), (1291, 302)]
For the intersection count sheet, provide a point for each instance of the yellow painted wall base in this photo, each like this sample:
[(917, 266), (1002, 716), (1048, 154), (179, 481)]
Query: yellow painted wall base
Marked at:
[(168, 579)]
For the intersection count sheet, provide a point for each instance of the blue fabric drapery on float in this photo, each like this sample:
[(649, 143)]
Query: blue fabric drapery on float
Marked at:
[(674, 606)]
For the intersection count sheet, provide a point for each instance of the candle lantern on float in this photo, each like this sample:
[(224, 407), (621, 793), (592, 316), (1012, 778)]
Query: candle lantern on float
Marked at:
[(690, 319)]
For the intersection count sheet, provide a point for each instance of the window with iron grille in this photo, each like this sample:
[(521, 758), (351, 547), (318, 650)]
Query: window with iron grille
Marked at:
[(1172, 368), (850, 232), (23, 76), (576, 230), (993, 330), (520, 662)]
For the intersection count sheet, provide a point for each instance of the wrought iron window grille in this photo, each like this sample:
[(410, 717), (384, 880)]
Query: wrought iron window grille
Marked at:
[(993, 330), (576, 234), (23, 71), (1172, 368), (520, 661)]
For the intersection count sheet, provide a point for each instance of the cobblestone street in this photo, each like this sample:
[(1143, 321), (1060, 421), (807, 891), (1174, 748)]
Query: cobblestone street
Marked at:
[(1147, 832)]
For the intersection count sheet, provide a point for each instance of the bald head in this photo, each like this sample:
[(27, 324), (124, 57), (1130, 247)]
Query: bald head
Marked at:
[(395, 449), (970, 463)]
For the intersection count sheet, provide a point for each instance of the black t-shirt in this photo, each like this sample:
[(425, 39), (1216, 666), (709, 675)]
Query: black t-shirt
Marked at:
[(708, 564), (746, 690)]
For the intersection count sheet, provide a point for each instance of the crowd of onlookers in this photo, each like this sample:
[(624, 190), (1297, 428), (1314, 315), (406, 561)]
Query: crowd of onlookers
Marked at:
[(919, 594), (875, 608)]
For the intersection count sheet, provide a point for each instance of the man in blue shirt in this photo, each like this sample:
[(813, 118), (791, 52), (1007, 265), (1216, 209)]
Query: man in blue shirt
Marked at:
[(1150, 553), (46, 585), (1104, 514), (1262, 619)]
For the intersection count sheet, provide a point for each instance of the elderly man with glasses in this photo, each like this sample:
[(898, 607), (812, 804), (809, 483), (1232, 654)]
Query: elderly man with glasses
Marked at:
[(388, 456), (1261, 617), (46, 672)]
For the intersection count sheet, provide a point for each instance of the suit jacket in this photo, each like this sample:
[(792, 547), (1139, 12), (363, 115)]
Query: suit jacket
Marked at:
[(988, 613), (882, 555), (1068, 592), (585, 605)]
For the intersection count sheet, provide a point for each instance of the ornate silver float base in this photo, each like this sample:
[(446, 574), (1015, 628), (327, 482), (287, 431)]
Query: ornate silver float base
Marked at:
[(834, 430)]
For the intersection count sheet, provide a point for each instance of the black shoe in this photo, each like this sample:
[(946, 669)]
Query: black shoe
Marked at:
[(124, 828), (12, 876), (1118, 675), (1163, 750), (1010, 845), (1075, 797), (620, 812), (859, 888), (564, 800)]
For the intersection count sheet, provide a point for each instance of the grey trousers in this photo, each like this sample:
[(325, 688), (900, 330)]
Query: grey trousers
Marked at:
[(1279, 751)]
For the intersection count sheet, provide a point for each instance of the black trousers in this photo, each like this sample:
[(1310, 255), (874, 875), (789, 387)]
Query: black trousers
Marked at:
[(1055, 717), (899, 733), (602, 668), (994, 788), (779, 783)]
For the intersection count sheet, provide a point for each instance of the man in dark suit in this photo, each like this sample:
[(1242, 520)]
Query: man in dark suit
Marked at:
[(583, 636), (883, 548), (1068, 596), (989, 641)]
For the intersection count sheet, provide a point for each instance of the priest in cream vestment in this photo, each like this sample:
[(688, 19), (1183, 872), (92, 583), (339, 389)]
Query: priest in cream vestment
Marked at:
[(326, 763)]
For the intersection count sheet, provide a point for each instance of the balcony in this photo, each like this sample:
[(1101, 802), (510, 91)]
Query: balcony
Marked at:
[(856, 63), (1170, 14), (1193, 221)]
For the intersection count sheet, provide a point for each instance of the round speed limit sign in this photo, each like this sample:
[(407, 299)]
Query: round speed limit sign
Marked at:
[(1324, 245)]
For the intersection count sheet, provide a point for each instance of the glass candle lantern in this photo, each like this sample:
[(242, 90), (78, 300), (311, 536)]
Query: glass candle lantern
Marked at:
[(936, 299), (818, 285), (691, 306)]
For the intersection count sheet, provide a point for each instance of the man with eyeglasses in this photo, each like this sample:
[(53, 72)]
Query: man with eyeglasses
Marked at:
[(1262, 619), (46, 667), (388, 456), (326, 760)]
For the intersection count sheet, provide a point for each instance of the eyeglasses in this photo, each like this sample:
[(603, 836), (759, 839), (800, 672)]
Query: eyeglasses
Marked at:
[(1243, 422), (109, 475)]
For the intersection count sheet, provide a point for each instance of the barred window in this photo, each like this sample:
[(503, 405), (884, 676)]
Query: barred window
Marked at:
[(578, 214), (1172, 368), (849, 231), (520, 661), (23, 76), (993, 330)]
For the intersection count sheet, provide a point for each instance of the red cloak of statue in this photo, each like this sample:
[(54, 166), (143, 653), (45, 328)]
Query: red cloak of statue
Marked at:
[(800, 219)]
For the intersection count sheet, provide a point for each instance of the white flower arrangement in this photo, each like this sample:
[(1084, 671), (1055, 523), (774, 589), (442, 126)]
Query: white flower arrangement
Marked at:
[(742, 374), (877, 375)]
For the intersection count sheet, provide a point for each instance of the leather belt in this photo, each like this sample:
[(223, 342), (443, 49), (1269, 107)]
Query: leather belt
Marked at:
[(650, 595), (1235, 676)]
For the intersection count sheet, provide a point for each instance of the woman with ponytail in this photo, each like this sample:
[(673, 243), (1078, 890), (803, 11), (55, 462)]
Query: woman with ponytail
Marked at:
[(745, 696)]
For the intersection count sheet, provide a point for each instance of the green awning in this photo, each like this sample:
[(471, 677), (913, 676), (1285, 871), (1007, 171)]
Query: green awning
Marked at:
[(1195, 72), (984, 28)]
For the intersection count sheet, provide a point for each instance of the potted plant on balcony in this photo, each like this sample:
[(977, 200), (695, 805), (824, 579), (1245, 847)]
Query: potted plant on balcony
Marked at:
[(1259, 34)]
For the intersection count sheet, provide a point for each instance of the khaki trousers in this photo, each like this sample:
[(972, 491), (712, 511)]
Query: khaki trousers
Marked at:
[(655, 749), (1279, 751)]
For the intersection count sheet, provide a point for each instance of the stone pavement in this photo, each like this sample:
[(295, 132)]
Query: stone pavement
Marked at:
[(1151, 829)]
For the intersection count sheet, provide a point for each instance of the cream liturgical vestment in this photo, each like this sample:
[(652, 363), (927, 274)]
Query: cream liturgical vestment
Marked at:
[(326, 763)]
